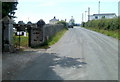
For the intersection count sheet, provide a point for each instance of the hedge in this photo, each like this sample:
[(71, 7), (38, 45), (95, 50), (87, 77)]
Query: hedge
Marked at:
[(106, 24)]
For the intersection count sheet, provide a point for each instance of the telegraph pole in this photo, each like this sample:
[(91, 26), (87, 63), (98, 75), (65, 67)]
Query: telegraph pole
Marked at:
[(82, 17), (85, 15), (119, 8), (99, 7), (88, 13)]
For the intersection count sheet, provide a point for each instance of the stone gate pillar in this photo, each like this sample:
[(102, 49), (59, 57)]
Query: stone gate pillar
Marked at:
[(7, 34), (34, 36), (40, 25), (0, 36)]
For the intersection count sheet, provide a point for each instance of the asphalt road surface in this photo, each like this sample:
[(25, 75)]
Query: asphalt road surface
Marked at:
[(80, 54)]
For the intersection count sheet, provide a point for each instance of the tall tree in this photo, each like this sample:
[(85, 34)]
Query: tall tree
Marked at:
[(62, 22), (72, 21), (8, 9)]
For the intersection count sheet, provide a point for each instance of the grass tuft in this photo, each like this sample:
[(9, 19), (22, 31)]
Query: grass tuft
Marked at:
[(111, 33)]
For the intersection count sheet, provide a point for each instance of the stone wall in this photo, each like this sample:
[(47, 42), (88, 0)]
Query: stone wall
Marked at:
[(37, 35), (50, 30)]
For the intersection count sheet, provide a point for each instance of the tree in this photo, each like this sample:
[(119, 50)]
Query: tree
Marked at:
[(72, 21), (8, 9), (29, 23), (21, 22), (62, 22)]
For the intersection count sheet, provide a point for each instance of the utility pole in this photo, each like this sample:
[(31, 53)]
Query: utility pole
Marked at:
[(28, 19), (88, 13), (119, 8), (82, 17), (99, 7), (65, 20), (85, 15)]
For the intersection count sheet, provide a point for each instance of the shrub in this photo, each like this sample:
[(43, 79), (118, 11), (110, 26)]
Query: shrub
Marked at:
[(106, 24)]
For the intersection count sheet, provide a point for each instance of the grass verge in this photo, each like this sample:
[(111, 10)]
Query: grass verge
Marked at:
[(114, 34), (52, 40), (23, 41)]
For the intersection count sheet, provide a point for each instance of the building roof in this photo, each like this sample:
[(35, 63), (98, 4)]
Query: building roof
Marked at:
[(105, 14), (54, 19)]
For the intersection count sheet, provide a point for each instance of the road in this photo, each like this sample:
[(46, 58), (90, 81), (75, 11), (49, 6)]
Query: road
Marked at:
[(80, 54)]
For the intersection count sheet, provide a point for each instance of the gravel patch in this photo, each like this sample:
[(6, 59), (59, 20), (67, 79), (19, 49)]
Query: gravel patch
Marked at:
[(13, 62)]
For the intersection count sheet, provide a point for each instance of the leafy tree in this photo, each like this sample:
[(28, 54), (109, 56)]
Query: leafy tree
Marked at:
[(29, 22), (8, 9), (83, 24), (72, 21), (21, 22), (62, 22)]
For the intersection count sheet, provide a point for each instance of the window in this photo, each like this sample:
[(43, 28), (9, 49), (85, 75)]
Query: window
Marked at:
[(96, 17), (103, 17)]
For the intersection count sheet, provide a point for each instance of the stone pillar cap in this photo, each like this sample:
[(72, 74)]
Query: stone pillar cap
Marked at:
[(7, 20)]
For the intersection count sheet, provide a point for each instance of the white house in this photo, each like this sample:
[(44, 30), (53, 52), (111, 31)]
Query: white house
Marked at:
[(104, 15), (53, 21)]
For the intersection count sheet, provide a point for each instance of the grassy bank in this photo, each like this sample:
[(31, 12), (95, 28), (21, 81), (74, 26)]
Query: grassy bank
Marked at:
[(114, 34)]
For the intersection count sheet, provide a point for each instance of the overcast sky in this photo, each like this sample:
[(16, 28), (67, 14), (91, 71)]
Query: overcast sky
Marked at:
[(34, 10)]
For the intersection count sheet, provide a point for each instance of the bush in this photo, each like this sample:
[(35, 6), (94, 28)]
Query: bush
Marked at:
[(110, 27), (106, 24)]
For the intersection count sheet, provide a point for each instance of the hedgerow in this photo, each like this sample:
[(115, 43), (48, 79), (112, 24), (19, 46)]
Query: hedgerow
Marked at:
[(106, 24)]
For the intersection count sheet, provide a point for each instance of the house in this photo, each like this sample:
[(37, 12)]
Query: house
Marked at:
[(53, 21), (104, 15)]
